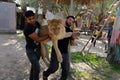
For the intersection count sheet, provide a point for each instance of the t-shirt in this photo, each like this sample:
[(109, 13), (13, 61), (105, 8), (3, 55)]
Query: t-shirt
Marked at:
[(63, 43), (29, 29), (95, 33)]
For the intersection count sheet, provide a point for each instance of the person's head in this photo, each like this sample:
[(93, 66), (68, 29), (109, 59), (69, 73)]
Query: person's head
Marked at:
[(70, 20), (95, 28), (30, 17)]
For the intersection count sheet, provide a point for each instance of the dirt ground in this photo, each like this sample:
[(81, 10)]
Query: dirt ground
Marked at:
[(14, 64)]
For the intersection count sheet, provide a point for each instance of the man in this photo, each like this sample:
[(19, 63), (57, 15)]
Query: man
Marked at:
[(95, 33), (63, 47), (109, 36), (31, 31)]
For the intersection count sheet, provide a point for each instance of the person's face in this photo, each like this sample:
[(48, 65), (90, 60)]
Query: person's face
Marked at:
[(31, 20), (70, 21)]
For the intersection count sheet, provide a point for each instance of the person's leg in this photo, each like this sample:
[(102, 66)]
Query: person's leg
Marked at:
[(108, 47), (92, 39), (95, 40), (34, 57), (54, 64), (65, 66), (108, 51), (36, 65), (105, 46), (94, 43), (31, 73)]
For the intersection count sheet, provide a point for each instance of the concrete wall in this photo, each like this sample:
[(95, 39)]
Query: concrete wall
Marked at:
[(7, 17)]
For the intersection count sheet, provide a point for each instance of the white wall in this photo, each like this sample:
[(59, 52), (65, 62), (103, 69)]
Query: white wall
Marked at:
[(7, 17)]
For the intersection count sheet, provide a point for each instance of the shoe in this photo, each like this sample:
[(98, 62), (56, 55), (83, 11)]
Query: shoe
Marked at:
[(106, 51), (44, 77)]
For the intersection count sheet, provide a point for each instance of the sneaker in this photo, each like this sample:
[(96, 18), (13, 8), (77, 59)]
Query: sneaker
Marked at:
[(44, 77)]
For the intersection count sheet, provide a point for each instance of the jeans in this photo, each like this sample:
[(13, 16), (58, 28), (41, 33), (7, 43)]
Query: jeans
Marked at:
[(34, 56), (54, 64)]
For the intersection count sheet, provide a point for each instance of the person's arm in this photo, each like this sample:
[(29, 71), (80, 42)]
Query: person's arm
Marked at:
[(72, 41), (73, 37), (35, 37)]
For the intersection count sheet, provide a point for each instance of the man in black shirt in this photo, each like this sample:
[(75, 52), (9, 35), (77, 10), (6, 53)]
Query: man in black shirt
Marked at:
[(63, 46), (31, 31)]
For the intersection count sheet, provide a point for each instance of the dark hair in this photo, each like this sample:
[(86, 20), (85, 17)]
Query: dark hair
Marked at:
[(29, 13), (71, 17)]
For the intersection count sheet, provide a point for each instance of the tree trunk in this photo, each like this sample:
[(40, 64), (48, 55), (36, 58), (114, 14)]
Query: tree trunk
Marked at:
[(24, 8)]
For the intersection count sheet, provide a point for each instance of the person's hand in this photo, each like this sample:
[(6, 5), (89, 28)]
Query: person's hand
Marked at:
[(75, 35)]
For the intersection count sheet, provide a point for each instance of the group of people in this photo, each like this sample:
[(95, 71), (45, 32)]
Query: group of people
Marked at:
[(31, 32), (106, 37), (33, 40)]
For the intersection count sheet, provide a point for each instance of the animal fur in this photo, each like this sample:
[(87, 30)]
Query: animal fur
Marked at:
[(56, 27)]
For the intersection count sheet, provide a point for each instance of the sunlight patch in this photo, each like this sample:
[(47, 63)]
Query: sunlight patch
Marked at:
[(9, 42)]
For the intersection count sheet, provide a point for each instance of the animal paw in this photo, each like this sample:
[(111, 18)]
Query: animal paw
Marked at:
[(60, 59)]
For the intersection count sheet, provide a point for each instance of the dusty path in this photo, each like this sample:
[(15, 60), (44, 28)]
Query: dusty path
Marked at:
[(13, 61), (14, 65)]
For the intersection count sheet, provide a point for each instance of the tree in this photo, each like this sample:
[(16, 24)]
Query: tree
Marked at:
[(7, 0), (82, 2)]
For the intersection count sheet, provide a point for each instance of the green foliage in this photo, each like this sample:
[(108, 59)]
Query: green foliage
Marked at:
[(32, 3), (115, 68), (93, 58), (101, 8), (49, 48), (76, 57), (103, 69)]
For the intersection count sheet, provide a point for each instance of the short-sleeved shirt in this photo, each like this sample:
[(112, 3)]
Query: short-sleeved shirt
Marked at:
[(63, 43), (29, 29), (95, 33)]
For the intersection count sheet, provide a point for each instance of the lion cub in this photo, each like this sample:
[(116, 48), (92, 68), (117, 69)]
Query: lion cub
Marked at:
[(57, 29)]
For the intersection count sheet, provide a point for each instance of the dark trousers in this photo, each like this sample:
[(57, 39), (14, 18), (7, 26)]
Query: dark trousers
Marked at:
[(54, 64), (34, 56), (108, 50), (93, 40)]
